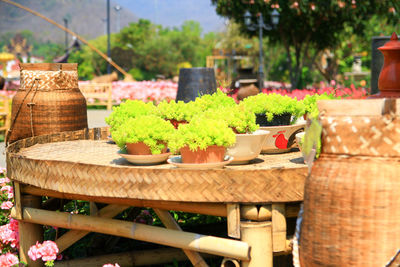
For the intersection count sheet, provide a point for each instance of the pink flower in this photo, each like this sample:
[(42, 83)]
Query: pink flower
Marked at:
[(6, 205), (111, 265), (4, 181), (34, 252), (9, 190), (49, 250), (9, 233), (8, 259)]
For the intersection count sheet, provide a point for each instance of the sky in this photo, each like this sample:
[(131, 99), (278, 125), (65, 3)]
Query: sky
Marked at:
[(171, 13)]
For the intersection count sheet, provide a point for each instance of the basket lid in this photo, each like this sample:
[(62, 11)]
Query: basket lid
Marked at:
[(49, 66)]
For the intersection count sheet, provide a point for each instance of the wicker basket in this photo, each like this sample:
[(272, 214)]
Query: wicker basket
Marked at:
[(351, 200), (48, 101)]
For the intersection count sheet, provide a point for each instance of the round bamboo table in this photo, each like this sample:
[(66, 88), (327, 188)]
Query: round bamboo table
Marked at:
[(84, 165)]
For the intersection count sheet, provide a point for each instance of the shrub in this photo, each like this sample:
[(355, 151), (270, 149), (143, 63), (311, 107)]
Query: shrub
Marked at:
[(129, 109), (151, 130), (179, 111), (217, 100), (273, 104), (240, 119), (201, 133), (310, 103)]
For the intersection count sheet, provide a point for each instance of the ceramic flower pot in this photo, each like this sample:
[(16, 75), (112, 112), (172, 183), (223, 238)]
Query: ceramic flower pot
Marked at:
[(210, 154), (140, 148), (389, 78), (247, 146), (281, 138)]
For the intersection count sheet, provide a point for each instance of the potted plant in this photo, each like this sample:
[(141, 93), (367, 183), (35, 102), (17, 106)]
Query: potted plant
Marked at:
[(203, 140), (129, 109), (274, 109), (177, 112), (144, 135), (249, 140), (216, 100), (277, 114)]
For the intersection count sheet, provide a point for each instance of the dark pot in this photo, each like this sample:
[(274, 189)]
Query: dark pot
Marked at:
[(194, 82), (283, 119)]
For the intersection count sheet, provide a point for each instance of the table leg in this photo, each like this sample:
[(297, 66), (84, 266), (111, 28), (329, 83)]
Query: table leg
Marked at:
[(259, 237), (29, 233)]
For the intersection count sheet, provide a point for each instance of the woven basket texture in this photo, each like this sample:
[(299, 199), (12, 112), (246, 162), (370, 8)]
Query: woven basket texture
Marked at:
[(351, 199), (48, 101), (84, 162)]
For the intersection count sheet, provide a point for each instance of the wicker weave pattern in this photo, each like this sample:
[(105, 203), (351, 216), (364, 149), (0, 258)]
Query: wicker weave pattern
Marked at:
[(48, 101), (93, 168), (49, 80), (366, 136), (350, 218)]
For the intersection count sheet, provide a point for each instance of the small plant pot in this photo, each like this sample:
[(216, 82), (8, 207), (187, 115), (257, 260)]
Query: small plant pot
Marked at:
[(299, 141), (210, 155), (283, 119), (140, 148)]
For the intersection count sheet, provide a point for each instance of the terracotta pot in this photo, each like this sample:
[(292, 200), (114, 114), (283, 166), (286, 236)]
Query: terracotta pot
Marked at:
[(389, 78), (140, 148), (210, 154)]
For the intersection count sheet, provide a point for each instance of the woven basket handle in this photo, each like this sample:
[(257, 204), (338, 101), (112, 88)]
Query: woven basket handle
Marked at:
[(8, 134)]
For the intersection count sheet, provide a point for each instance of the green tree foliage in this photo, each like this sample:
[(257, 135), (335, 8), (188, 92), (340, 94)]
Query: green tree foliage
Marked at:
[(145, 50), (308, 27)]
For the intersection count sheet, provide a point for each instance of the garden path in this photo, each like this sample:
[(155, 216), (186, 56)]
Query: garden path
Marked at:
[(95, 119)]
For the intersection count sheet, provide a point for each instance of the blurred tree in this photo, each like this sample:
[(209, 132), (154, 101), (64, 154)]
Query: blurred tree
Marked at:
[(308, 27)]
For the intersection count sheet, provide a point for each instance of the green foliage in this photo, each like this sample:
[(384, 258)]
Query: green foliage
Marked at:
[(273, 104), (310, 103), (179, 111), (147, 50), (129, 109), (201, 133), (240, 119), (216, 100), (307, 28), (151, 130)]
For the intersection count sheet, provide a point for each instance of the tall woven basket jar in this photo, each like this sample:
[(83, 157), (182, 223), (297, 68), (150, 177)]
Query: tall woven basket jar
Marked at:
[(48, 101), (352, 196)]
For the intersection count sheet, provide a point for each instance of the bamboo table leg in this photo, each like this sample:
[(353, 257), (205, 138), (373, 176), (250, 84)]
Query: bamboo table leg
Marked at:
[(29, 233), (259, 237)]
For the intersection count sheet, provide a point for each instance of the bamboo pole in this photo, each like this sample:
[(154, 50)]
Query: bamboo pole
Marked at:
[(70, 32), (259, 236), (170, 223), (278, 227), (132, 258), (233, 217), (72, 236), (214, 209), (249, 212), (29, 233), (230, 263), (201, 243)]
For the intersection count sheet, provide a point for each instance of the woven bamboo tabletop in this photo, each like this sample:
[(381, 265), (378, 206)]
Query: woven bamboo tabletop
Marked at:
[(84, 162)]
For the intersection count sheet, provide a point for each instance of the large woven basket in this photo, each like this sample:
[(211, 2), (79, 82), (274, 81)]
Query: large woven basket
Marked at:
[(352, 197), (48, 101)]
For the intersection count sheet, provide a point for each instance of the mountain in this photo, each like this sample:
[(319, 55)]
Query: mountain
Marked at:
[(85, 17), (172, 13)]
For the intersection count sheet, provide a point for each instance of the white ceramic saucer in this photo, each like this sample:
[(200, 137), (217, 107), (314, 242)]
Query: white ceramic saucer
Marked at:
[(145, 159), (177, 162)]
